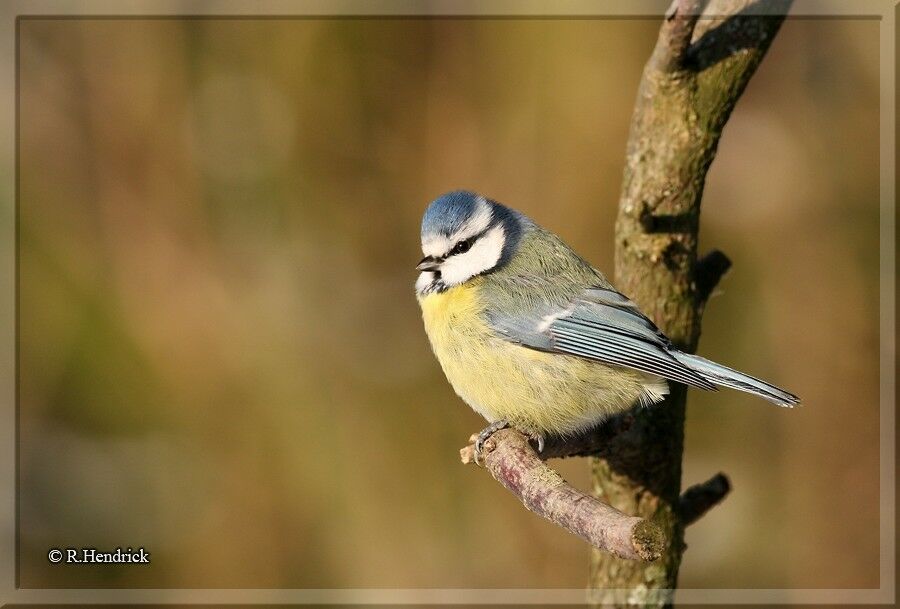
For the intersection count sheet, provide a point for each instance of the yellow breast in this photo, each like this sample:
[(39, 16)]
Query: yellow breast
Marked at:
[(463, 344), (533, 390)]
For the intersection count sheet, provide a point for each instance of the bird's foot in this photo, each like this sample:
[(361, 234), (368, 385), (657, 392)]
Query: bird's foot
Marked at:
[(537, 439), (486, 433), (496, 426)]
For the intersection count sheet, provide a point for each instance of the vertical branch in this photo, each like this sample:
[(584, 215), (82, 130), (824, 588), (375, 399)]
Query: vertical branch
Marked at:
[(697, 72)]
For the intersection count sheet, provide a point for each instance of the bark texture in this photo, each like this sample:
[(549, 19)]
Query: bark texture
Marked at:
[(514, 463), (704, 57)]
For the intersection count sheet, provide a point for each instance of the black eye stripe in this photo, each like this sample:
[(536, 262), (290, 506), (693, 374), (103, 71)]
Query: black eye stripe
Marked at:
[(461, 247)]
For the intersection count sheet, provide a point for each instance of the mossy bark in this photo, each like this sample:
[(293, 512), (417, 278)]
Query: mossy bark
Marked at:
[(688, 90)]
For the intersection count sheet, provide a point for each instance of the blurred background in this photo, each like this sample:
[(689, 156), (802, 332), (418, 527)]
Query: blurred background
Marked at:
[(221, 357)]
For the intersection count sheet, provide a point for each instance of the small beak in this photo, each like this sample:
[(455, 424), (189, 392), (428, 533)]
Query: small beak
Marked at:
[(428, 263)]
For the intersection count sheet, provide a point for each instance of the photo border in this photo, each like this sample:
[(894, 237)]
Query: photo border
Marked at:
[(14, 10)]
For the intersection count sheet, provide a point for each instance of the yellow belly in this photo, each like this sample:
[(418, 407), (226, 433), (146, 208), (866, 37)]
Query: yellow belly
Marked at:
[(544, 393)]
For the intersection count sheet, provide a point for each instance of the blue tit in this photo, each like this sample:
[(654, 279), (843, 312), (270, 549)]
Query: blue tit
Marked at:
[(532, 336)]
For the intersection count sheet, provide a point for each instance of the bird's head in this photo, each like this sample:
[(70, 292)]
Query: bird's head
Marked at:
[(464, 235)]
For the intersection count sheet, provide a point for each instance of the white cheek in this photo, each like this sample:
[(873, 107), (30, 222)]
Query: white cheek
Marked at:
[(424, 280), (483, 256)]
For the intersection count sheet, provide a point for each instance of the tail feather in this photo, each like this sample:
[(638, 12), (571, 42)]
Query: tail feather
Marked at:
[(726, 377)]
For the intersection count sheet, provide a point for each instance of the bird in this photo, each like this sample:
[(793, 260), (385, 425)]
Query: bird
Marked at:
[(532, 337)]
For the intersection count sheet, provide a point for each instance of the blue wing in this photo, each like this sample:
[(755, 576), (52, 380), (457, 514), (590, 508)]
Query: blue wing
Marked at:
[(603, 325)]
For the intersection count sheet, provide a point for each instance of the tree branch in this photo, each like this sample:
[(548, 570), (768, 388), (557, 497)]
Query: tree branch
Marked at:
[(691, 83), (594, 442), (708, 272), (675, 34), (701, 498), (514, 464)]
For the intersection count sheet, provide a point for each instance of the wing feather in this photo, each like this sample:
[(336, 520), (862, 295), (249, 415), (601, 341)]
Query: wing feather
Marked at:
[(604, 325)]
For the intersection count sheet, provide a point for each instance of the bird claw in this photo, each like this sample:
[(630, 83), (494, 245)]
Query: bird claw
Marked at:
[(486, 433), (494, 427)]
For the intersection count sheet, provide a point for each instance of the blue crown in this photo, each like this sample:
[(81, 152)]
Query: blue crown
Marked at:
[(449, 212)]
